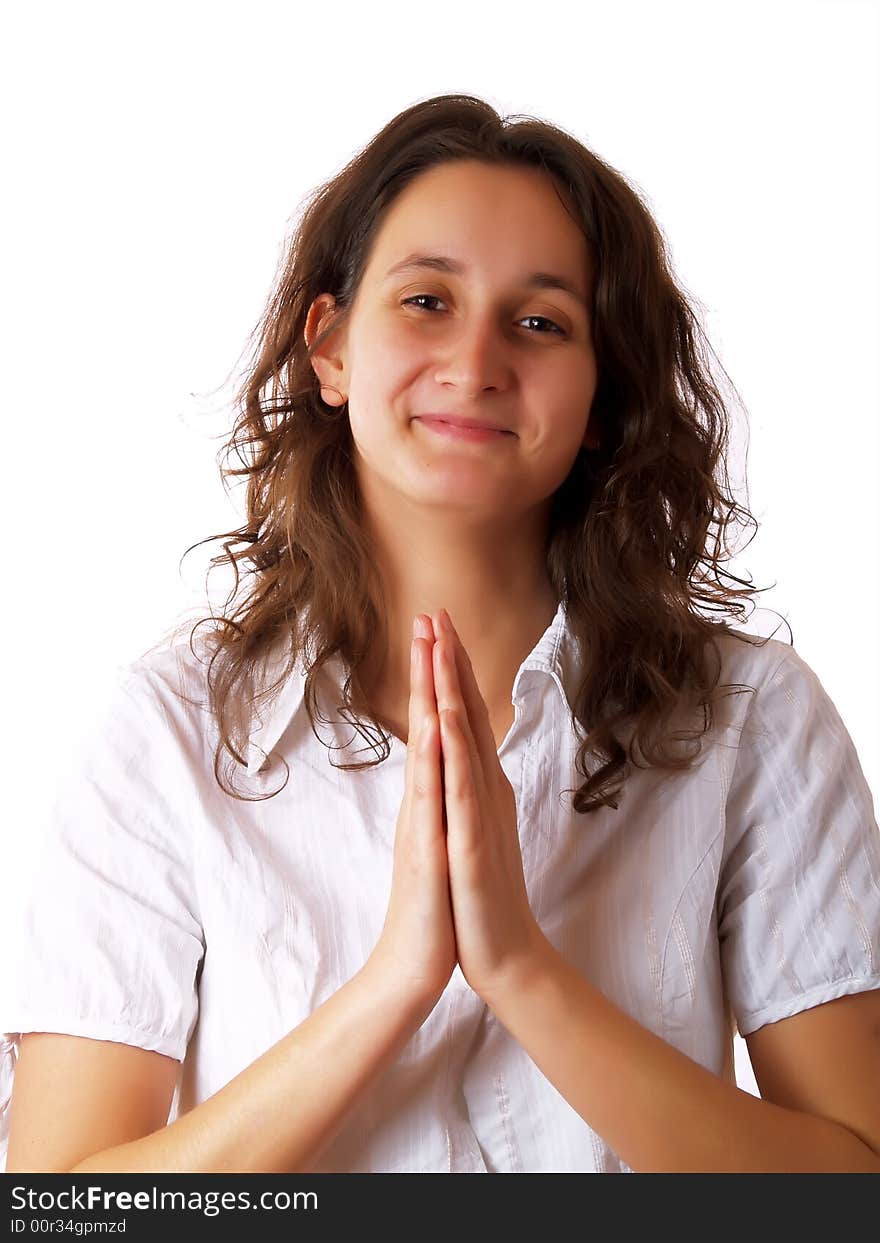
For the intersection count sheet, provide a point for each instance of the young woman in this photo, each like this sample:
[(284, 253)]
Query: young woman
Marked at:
[(601, 830)]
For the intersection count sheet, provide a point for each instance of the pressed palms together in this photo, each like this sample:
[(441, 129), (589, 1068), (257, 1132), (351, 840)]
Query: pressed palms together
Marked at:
[(458, 890)]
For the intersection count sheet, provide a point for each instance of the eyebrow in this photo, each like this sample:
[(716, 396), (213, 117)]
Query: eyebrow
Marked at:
[(442, 263)]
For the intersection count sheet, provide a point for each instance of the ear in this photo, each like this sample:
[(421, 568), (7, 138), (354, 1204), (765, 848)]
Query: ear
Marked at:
[(326, 361)]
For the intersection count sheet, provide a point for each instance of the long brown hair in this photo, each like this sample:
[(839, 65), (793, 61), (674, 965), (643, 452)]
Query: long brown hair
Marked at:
[(628, 546)]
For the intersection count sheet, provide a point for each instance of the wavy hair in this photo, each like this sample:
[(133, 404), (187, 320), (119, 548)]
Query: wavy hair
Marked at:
[(628, 546)]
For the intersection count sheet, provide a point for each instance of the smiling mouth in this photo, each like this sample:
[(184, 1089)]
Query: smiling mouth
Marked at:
[(456, 432)]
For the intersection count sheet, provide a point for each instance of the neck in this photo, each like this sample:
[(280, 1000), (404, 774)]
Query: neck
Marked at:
[(487, 569), (498, 625)]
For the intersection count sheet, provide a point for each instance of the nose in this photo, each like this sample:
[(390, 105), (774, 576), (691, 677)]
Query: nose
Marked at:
[(473, 358)]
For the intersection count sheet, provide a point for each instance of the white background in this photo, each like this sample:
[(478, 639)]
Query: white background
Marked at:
[(154, 158)]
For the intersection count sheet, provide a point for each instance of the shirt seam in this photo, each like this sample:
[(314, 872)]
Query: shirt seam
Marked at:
[(61, 1025), (817, 990), (190, 848), (678, 903)]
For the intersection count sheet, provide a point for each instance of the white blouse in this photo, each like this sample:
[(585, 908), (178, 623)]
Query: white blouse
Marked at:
[(172, 917)]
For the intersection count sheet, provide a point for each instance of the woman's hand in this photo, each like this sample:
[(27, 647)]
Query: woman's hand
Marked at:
[(495, 931), (417, 944)]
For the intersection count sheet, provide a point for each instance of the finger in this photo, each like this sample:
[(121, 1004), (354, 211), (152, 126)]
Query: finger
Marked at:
[(415, 710), (465, 804), (483, 757), (422, 761), (422, 696), (475, 705), (427, 805), (464, 776)]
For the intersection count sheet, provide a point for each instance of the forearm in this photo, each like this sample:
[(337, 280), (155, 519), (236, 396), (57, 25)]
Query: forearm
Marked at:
[(278, 1114), (659, 1110)]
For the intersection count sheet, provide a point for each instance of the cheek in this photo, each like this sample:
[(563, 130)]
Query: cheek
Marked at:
[(380, 377), (549, 453), (369, 426), (391, 343), (556, 467)]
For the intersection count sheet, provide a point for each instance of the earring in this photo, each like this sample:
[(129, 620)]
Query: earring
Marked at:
[(334, 390)]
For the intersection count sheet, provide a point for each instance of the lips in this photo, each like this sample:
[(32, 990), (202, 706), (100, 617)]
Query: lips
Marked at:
[(455, 421), (463, 434)]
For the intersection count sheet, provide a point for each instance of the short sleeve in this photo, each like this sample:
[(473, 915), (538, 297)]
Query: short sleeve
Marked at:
[(799, 890), (111, 940)]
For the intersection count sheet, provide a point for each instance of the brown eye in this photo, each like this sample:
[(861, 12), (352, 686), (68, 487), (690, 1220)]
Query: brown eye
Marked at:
[(544, 320), (433, 298)]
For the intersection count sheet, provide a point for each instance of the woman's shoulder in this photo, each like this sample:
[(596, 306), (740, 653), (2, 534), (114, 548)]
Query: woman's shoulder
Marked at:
[(177, 675), (163, 691), (176, 663), (756, 659)]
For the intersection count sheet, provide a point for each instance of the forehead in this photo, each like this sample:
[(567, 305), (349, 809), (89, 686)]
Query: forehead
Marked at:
[(497, 219)]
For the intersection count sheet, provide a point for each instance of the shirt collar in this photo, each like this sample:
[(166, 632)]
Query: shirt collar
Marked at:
[(555, 655)]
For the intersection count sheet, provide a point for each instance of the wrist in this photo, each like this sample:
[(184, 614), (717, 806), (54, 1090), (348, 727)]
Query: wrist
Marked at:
[(520, 976), (391, 988)]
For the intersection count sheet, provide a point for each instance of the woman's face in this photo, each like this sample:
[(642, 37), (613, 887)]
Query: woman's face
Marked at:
[(472, 337)]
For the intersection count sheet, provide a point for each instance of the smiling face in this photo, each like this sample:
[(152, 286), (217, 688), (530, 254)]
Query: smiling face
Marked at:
[(469, 331)]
